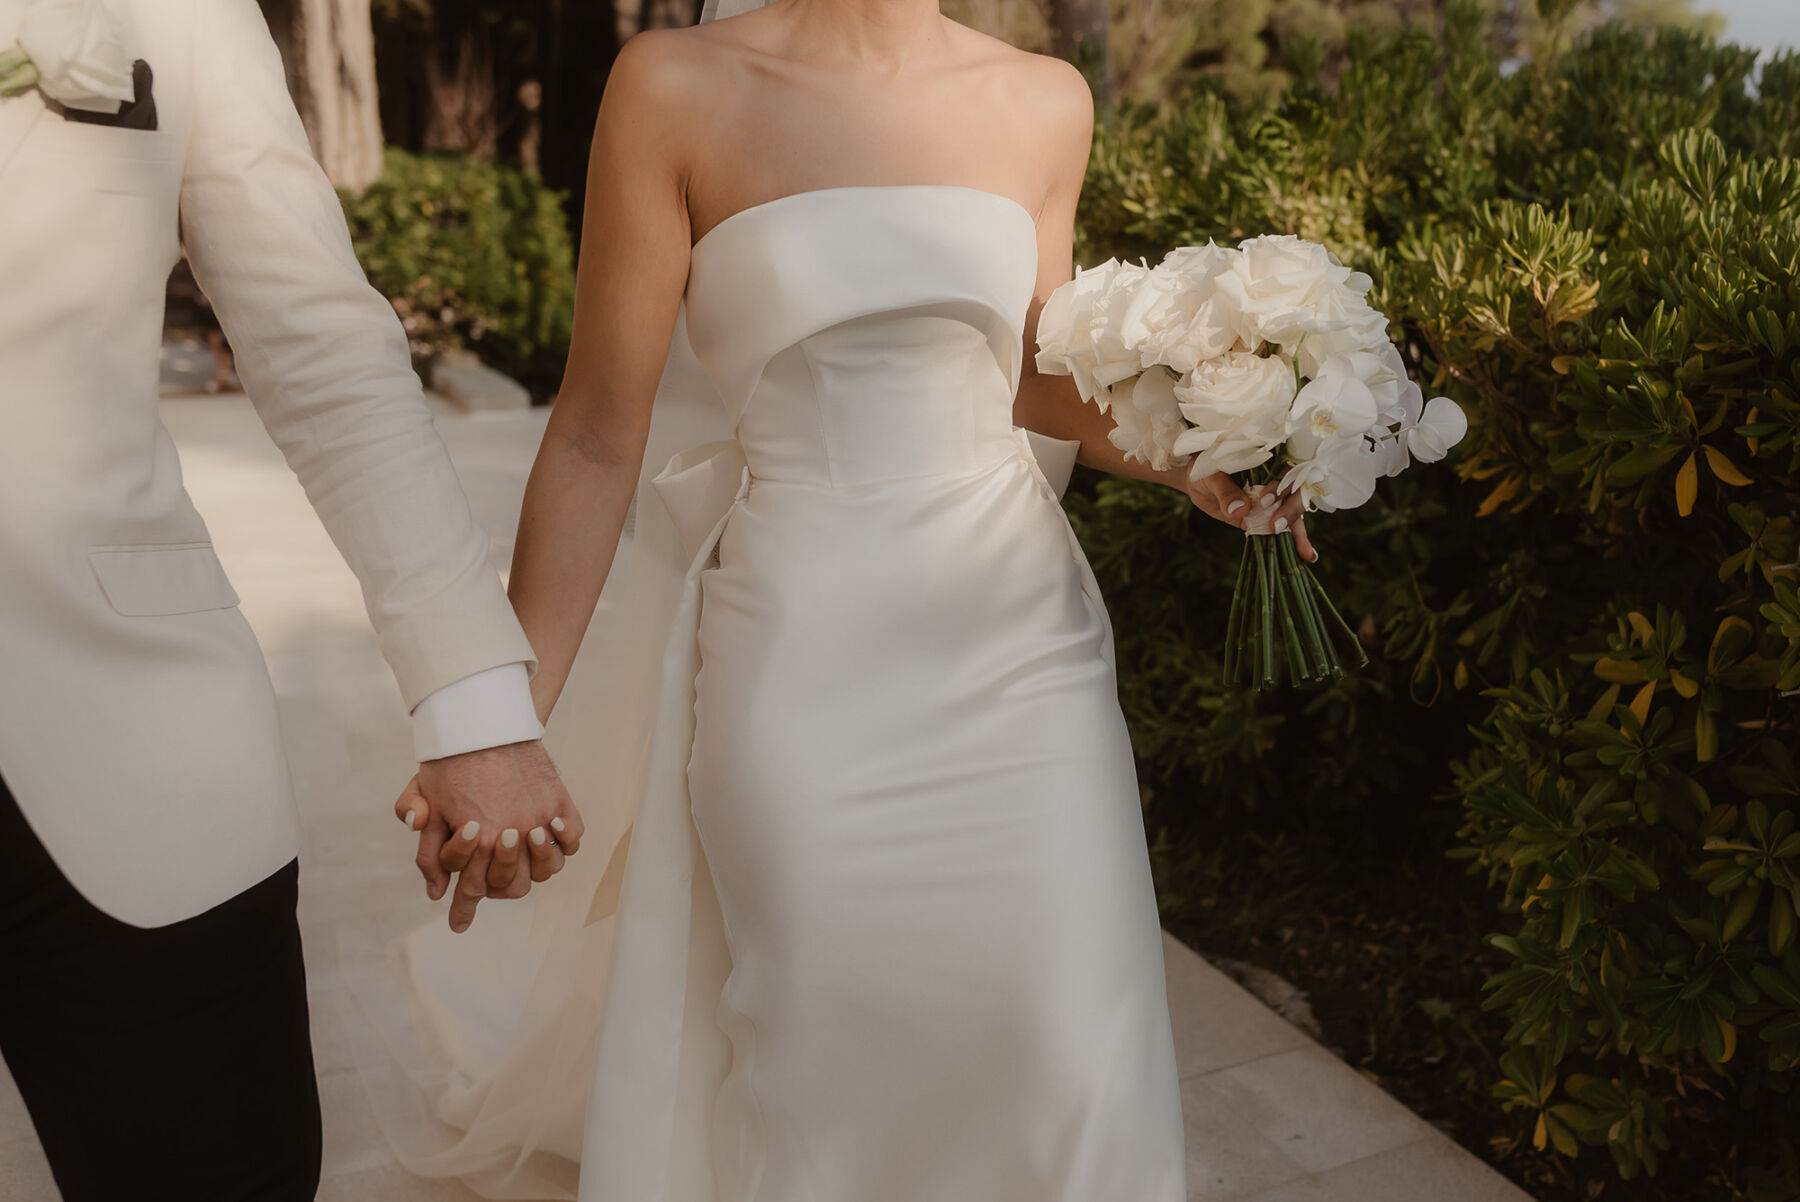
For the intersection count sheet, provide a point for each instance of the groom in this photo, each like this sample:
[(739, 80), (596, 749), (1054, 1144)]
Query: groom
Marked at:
[(152, 997)]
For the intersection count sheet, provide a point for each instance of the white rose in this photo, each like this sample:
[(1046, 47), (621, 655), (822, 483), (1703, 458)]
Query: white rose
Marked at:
[(78, 49), (1333, 404), (1079, 329), (1237, 405), (1118, 323), (1146, 418), (1200, 265), (1298, 295)]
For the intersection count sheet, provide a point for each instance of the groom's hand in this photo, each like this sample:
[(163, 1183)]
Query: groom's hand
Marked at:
[(498, 818)]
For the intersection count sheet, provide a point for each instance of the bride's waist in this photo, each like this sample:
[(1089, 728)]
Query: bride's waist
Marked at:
[(837, 467)]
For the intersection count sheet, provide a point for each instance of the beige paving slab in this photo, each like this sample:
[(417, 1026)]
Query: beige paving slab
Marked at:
[(1272, 1116), (1221, 1023), (389, 1183), (24, 1173), (1227, 1156)]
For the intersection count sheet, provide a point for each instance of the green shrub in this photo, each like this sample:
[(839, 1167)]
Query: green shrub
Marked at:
[(1586, 636), (474, 256)]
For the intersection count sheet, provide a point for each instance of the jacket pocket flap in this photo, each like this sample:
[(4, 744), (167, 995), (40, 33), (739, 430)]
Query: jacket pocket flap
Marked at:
[(181, 578)]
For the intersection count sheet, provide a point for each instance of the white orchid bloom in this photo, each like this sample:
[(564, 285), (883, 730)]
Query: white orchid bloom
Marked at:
[(1334, 404), (1440, 427), (1341, 474)]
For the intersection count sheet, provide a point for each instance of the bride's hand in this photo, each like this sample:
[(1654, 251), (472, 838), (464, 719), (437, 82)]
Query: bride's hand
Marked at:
[(1218, 496), (545, 855)]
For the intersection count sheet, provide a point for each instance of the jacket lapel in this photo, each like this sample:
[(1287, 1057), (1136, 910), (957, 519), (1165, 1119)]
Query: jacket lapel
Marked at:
[(19, 113)]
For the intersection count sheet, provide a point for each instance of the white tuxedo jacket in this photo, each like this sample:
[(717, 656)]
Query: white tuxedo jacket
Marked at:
[(137, 725)]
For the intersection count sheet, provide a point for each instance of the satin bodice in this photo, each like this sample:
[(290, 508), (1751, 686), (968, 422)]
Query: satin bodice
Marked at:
[(858, 334)]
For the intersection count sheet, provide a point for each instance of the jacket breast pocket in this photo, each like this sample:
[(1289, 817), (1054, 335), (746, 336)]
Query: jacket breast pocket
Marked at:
[(173, 578)]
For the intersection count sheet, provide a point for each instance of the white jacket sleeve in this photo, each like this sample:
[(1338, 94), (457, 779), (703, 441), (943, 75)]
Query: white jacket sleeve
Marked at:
[(325, 361)]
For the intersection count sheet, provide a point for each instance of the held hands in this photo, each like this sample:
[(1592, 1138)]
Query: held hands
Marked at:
[(497, 819), (1220, 497)]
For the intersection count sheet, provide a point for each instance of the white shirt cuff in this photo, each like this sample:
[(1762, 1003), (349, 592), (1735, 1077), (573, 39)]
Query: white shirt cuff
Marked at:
[(489, 709)]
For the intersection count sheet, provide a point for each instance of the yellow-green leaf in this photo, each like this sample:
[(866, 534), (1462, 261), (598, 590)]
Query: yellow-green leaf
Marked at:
[(1503, 492), (1619, 671), (1603, 704), (1728, 1029), (1706, 736), (1686, 685), (1743, 909), (1781, 927), (1687, 485), (1640, 705), (1723, 468), (1641, 626)]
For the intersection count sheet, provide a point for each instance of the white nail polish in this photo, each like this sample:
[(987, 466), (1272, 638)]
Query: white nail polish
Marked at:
[(1281, 525), (1236, 505), (538, 837), (470, 829), (1268, 500), (412, 820), (556, 824), (509, 839)]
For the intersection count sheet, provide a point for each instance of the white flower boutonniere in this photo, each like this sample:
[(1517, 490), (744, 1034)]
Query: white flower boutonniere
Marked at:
[(74, 52)]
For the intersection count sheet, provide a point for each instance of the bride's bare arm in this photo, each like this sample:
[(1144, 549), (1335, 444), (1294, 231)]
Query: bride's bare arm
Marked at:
[(633, 270), (1051, 404)]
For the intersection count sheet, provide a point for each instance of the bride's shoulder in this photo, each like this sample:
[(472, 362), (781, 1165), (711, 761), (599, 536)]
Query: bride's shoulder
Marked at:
[(663, 60), (1050, 89)]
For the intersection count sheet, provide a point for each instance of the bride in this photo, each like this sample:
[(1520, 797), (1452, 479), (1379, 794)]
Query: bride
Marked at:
[(878, 922)]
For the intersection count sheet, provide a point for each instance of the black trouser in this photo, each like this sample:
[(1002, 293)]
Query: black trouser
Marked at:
[(172, 1063)]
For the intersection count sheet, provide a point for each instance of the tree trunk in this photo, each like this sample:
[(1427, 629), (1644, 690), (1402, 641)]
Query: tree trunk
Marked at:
[(329, 49), (1079, 30), (459, 78), (633, 15)]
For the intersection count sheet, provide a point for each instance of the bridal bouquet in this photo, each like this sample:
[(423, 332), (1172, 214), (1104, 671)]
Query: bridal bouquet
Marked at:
[(1265, 362)]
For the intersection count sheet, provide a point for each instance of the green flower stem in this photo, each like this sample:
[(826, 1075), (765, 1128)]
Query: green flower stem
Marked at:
[(1297, 664), (17, 72), (1267, 602), (1277, 598), (1362, 657), (1318, 640), (1234, 624)]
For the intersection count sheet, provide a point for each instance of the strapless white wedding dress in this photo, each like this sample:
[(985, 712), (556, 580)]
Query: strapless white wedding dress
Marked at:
[(882, 929)]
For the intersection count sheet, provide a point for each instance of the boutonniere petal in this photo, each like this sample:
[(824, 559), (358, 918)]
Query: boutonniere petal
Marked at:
[(74, 52)]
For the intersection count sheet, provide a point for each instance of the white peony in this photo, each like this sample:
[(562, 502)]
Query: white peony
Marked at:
[(1237, 405), (1146, 418), (1334, 404), (78, 48)]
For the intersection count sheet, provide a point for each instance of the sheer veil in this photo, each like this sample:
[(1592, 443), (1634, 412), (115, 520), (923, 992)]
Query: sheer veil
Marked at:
[(478, 1052)]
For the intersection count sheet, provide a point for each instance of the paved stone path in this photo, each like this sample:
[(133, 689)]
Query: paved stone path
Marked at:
[(1271, 1116)]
